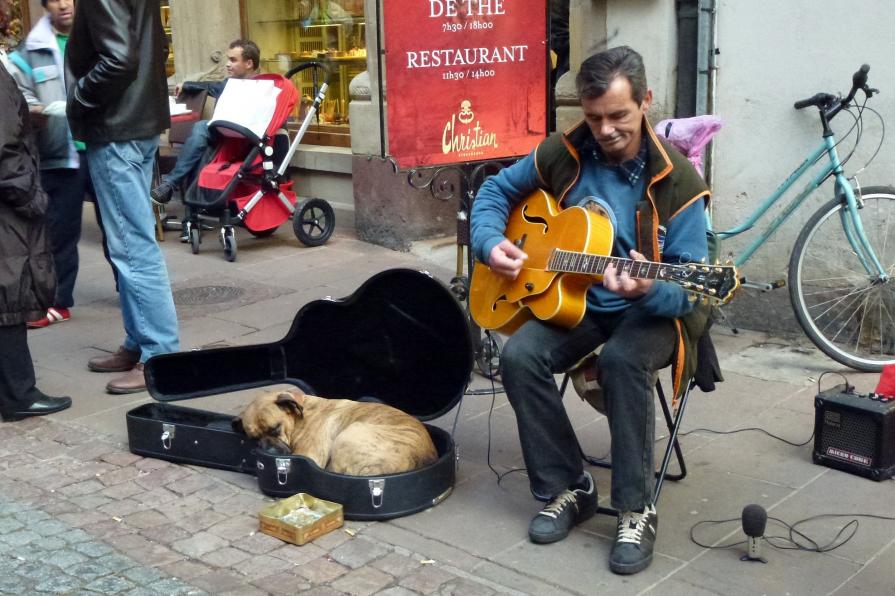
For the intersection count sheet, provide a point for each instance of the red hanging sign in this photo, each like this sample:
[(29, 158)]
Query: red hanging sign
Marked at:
[(466, 80)]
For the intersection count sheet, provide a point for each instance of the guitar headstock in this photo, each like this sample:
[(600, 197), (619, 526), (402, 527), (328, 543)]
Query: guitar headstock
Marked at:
[(715, 284)]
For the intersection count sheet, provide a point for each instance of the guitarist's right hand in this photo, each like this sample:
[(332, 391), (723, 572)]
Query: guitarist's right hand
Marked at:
[(506, 259)]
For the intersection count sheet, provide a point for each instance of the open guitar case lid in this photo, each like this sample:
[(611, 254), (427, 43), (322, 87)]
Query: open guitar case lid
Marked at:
[(401, 338)]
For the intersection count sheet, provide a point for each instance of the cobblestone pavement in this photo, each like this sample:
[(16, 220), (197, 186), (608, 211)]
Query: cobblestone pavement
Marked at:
[(84, 516)]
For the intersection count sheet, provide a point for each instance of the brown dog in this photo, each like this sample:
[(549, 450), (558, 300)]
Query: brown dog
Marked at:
[(339, 435)]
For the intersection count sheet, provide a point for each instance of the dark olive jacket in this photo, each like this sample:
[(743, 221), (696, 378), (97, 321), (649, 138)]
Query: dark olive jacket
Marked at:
[(27, 278), (673, 185), (116, 54)]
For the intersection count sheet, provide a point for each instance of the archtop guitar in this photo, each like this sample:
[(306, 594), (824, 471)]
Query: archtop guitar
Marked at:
[(568, 252)]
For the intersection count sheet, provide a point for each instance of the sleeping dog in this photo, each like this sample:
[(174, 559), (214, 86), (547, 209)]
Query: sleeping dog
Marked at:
[(339, 435)]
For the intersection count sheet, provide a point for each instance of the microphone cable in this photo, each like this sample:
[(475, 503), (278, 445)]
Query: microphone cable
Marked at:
[(796, 539)]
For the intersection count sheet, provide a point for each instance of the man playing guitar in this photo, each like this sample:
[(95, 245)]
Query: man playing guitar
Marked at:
[(655, 200)]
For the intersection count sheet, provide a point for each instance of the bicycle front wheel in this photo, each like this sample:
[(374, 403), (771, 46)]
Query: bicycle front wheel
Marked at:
[(848, 312)]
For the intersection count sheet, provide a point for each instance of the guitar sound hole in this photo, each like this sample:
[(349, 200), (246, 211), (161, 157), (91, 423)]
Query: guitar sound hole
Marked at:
[(534, 219), (501, 298)]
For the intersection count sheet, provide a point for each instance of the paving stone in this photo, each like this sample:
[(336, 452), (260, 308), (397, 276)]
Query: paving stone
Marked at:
[(464, 587), (148, 464), (20, 537), (109, 585), (187, 485), (9, 524), (121, 458), (122, 508), (88, 570), (123, 490), (49, 543), (427, 580), (397, 565), (143, 575), (358, 552), (58, 584), (258, 543), (121, 476), (31, 517), (235, 527), (219, 581), (225, 557), (201, 520), (76, 535), (200, 544), (363, 581), (93, 550), (116, 563), (298, 555), (166, 534), (322, 570), (172, 587), (282, 584), (397, 591), (217, 492), (179, 509), (161, 477), (155, 497), (49, 527), (185, 569), (91, 502), (322, 591), (82, 518), (261, 566), (108, 527), (240, 504), (245, 591), (68, 558), (143, 520)]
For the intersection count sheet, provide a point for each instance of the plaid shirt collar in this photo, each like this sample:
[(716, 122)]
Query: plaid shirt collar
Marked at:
[(630, 170)]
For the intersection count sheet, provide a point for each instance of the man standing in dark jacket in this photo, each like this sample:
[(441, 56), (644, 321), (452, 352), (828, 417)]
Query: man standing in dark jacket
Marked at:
[(118, 105), (27, 280)]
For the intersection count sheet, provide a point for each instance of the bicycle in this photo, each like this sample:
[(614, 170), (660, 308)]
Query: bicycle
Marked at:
[(840, 272)]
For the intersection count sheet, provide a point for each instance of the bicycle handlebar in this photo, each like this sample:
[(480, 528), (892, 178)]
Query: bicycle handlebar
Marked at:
[(830, 103)]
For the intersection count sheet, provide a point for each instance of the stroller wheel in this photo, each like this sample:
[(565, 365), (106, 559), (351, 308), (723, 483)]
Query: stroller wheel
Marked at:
[(195, 237), (314, 223), (228, 239)]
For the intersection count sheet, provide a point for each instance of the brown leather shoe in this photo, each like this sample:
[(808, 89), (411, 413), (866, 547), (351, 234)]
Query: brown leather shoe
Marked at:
[(130, 382), (121, 361)]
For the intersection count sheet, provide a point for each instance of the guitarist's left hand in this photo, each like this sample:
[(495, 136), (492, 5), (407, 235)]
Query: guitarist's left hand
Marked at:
[(623, 284)]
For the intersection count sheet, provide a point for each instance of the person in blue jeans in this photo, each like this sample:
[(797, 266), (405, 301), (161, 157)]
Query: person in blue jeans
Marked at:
[(613, 161), (118, 106), (243, 59)]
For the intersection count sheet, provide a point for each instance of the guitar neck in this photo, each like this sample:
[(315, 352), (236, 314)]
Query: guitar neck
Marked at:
[(567, 261)]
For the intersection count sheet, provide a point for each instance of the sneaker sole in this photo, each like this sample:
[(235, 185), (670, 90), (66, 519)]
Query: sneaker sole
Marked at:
[(551, 538), (630, 569)]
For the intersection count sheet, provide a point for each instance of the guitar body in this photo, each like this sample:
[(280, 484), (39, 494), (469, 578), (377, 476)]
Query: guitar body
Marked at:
[(538, 227)]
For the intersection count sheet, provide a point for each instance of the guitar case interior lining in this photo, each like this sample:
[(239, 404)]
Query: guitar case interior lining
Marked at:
[(401, 338)]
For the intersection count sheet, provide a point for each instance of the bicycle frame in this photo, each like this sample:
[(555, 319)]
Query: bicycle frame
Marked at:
[(851, 220)]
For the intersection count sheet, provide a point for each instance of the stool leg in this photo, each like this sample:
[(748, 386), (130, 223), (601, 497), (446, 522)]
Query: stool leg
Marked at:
[(673, 444)]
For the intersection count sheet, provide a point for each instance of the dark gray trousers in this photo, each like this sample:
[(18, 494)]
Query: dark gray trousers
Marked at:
[(17, 390), (635, 346)]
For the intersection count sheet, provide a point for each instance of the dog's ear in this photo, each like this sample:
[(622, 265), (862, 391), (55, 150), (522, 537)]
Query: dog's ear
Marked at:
[(288, 402), (236, 425)]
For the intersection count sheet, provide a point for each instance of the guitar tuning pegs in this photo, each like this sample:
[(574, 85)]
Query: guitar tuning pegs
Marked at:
[(702, 260), (713, 291), (705, 300), (691, 297)]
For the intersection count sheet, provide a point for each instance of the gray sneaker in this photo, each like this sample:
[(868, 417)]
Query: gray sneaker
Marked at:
[(569, 508), (162, 193), (633, 548)]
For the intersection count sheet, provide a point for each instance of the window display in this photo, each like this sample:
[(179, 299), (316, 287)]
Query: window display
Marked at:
[(293, 32)]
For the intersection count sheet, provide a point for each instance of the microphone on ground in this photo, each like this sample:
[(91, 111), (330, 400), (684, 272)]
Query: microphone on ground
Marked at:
[(755, 518)]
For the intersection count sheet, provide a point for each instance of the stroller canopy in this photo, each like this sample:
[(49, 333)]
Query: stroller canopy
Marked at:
[(254, 108)]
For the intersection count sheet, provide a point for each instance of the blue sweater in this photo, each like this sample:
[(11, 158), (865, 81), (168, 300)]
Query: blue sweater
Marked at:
[(685, 239)]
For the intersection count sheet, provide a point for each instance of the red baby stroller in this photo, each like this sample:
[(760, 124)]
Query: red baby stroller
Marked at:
[(245, 182)]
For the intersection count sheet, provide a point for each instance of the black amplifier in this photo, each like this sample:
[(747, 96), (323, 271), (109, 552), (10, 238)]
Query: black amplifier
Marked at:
[(855, 432)]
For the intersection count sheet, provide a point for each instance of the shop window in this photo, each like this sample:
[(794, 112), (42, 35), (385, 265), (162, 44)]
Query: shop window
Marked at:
[(166, 23), (293, 32)]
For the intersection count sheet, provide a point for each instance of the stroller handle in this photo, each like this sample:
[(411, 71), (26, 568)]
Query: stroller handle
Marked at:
[(313, 64)]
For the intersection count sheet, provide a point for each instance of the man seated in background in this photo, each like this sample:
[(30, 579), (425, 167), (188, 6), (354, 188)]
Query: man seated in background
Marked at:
[(243, 60)]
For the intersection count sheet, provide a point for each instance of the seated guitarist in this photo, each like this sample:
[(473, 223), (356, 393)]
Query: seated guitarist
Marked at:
[(657, 199)]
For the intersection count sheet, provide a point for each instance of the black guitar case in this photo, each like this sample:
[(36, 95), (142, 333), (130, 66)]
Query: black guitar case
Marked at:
[(401, 338)]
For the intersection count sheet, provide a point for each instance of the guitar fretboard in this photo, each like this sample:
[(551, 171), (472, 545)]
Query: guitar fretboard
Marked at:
[(578, 262)]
